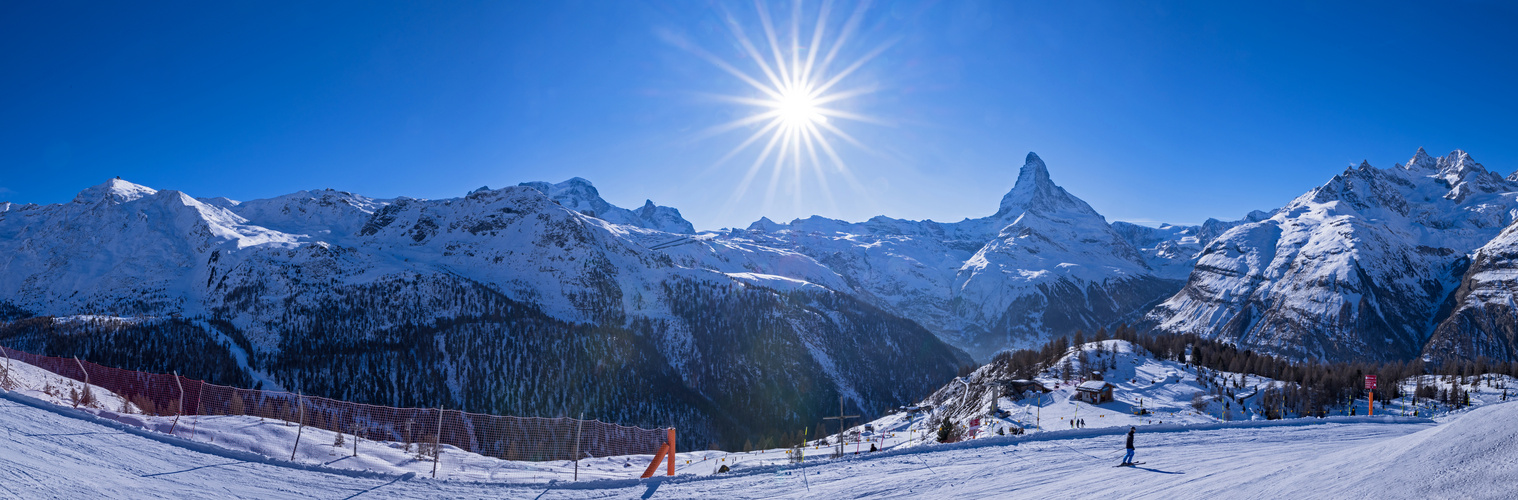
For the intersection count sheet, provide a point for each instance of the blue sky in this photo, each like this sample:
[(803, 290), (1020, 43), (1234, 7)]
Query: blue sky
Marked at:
[(1170, 111)]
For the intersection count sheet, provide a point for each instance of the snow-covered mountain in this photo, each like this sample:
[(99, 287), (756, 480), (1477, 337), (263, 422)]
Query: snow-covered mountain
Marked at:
[(506, 301), (579, 195), (482, 301), (1480, 318), (1044, 264), (1170, 249), (1357, 268)]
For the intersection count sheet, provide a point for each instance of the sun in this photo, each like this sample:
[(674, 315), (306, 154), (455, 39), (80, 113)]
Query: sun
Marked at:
[(798, 109), (795, 86)]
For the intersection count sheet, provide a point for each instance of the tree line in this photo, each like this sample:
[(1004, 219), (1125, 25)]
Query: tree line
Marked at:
[(1301, 388)]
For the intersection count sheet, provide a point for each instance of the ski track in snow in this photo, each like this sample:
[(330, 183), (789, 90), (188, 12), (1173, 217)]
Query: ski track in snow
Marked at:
[(49, 455)]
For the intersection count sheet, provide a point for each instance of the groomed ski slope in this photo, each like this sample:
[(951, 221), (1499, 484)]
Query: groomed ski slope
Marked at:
[(46, 454)]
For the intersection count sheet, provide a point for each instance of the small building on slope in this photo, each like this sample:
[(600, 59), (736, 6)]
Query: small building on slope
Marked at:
[(1094, 391)]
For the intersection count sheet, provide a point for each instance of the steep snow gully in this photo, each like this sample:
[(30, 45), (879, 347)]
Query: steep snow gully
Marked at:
[(51, 452)]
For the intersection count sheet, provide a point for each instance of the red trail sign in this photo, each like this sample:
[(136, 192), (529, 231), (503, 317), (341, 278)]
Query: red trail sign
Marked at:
[(1370, 385)]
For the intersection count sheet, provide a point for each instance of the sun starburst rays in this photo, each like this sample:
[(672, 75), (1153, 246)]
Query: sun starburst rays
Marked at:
[(795, 104)]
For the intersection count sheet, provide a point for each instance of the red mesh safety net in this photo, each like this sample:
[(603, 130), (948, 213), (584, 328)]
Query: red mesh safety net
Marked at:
[(505, 437)]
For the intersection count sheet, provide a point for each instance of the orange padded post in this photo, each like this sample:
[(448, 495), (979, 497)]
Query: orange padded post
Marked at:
[(671, 445), (666, 451), (658, 457)]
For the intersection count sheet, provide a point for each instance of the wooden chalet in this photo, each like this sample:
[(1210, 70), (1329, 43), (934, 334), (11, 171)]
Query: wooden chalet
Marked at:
[(1094, 391)]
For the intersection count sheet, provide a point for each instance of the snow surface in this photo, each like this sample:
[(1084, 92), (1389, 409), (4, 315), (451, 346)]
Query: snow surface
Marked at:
[(50, 454), (52, 450)]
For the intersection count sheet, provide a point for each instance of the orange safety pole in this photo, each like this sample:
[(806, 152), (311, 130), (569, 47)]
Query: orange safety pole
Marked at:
[(658, 457), (671, 451)]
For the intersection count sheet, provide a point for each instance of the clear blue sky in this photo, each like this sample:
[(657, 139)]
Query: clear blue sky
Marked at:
[(1171, 111)]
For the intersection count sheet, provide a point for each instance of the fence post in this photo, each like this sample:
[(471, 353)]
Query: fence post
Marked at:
[(437, 453), (671, 451), (5, 384), (178, 410), (579, 424), (301, 404), (82, 370)]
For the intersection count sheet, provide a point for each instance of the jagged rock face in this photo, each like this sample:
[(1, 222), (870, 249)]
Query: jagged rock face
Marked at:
[(478, 303), (1044, 264), (1355, 269), (579, 195), (1482, 319)]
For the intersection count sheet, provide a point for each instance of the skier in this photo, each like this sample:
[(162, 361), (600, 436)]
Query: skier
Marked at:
[(1128, 460)]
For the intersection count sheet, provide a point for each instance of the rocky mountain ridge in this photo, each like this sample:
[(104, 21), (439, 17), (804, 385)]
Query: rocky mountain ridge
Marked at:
[(1359, 268)]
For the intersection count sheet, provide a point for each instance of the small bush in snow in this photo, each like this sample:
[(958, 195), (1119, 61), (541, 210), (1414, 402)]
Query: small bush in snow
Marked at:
[(84, 398), (1199, 401)]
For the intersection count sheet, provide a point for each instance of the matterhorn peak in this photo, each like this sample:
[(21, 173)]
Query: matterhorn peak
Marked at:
[(114, 191), (1036, 191), (1033, 171)]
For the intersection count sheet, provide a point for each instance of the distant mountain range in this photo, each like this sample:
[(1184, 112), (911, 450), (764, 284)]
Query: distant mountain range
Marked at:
[(504, 301), (544, 299)]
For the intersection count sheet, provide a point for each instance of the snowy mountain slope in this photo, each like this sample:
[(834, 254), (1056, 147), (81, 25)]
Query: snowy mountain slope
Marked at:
[(1354, 269), (119, 248), (1480, 317), (1148, 392), (1171, 250), (579, 195), (325, 215), (470, 302), (1044, 264), (1164, 389)]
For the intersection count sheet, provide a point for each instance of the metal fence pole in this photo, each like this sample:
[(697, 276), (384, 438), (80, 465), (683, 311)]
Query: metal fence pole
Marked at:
[(437, 453), (180, 409), (200, 404), (579, 424), (82, 370), (301, 404), (5, 384)]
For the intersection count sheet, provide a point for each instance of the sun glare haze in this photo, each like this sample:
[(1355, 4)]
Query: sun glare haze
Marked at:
[(794, 77)]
